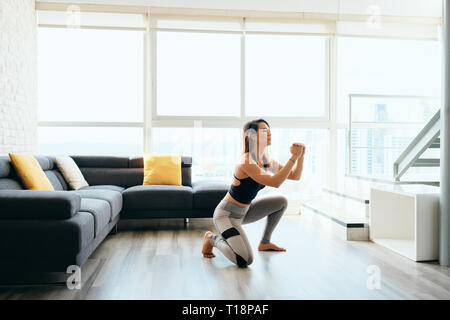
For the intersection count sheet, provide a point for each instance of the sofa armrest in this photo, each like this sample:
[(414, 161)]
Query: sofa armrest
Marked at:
[(38, 204)]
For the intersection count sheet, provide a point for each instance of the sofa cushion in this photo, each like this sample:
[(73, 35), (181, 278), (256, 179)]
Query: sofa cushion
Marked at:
[(157, 197), (100, 210), (208, 194), (114, 198), (30, 172), (137, 163), (104, 187), (71, 172), (162, 169)]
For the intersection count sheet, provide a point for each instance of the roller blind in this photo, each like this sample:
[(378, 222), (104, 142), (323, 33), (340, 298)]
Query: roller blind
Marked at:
[(382, 29), (344, 25), (73, 18), (368, 28), (288, 26), (196, 23)]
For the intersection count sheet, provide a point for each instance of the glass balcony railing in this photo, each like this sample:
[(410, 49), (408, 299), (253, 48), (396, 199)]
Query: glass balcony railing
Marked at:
[(380, 128)]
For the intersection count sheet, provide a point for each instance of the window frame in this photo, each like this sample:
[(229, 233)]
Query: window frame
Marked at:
[(156, 118)]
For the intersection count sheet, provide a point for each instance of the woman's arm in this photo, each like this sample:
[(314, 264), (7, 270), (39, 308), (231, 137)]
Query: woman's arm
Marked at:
[(252, 169), (296, 173)]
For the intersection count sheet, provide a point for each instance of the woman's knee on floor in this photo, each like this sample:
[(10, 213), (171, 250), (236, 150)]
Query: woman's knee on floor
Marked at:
[(244, 258), (250, 259), (243, 263)]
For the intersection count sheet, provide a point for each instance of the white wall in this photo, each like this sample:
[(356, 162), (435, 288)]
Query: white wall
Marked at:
[(18, 56), (418, 8)]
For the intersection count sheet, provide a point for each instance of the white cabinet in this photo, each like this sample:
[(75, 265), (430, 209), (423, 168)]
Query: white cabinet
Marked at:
[(405, 219)]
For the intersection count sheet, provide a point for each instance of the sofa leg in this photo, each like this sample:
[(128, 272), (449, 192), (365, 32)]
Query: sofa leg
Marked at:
[(186, 221), (116, 228)]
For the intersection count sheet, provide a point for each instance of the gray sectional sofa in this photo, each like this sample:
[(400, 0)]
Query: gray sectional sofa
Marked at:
[(47, 231)]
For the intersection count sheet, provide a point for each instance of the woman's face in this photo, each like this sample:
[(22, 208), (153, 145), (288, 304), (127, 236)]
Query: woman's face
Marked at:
[(264, 135)]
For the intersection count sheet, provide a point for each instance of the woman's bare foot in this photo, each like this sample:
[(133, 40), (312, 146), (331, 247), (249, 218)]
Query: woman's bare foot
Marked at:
[(269, 247), (207, 249)]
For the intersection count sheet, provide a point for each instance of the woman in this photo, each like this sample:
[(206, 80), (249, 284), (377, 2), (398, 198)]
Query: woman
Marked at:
[(237, 207)]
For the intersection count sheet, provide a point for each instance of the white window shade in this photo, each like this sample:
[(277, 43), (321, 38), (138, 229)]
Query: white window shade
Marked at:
[(196, 23), (374, 28), (74, 18), (289, 26)]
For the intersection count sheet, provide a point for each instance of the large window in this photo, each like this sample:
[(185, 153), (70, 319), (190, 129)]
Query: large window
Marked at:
[(198, 74), (102, 86), (285, 75), (90, 76), (393, 88), (386, 67)]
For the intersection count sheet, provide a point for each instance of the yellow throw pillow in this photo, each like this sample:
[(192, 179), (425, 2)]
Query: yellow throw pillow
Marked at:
[(162, 169), (30, 172)]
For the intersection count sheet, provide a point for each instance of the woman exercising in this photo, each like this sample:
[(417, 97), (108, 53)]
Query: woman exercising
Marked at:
[(237, 207)]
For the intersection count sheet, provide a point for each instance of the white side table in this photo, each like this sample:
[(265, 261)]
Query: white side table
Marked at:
[(405, 219)]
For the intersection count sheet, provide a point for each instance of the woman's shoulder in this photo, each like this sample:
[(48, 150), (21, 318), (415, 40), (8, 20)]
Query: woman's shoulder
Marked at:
[(246, 161), (243, 163)]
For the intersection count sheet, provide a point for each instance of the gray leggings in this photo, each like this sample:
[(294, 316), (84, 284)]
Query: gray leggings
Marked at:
[(228, 218)]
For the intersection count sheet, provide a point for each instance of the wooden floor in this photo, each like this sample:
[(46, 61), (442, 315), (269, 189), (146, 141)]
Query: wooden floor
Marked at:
[(160, 259)]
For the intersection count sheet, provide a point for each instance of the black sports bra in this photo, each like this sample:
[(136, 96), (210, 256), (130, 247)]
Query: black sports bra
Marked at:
[(247, 190)]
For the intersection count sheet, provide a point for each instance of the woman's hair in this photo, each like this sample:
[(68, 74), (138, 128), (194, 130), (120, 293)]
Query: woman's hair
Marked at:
[(250, 129)]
